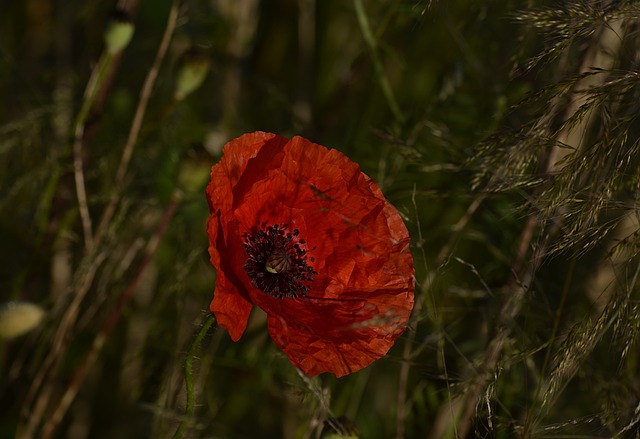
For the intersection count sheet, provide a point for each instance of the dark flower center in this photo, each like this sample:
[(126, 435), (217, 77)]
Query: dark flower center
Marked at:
[(277, 261)]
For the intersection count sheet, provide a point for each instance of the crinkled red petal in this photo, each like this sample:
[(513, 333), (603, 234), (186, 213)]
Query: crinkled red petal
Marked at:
[(231, 303), (362, 296)]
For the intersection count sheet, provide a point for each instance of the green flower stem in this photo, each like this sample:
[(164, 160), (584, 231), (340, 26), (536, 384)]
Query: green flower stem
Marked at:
[(93, 87), (365, 28), (188, 377), (136, 124)]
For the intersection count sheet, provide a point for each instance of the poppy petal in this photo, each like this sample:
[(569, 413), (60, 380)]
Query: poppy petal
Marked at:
[(343, 288), (339, 336), (230, 306)]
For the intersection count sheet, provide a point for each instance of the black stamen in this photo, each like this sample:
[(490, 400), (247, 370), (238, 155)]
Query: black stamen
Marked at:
[(276, 262)]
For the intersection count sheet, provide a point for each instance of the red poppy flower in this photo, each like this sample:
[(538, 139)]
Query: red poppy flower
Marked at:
[(298, 230)]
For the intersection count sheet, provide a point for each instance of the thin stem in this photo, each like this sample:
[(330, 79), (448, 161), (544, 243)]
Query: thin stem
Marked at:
[(365, 28), (554, 333), (126, 296), (136, 125), (91, 254), (40, 390), (188, 377), (401, 398), (510, 308), (426, 283), (94, 85)]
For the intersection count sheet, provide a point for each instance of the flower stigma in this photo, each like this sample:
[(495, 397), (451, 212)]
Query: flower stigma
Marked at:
[(277, 261)]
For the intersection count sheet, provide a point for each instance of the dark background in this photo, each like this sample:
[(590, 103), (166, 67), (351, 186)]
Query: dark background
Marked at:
[(505, 132)]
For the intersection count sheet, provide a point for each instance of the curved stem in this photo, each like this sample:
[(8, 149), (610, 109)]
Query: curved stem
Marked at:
[(365, 28), (136, 125), (188, 377), (94, 85)]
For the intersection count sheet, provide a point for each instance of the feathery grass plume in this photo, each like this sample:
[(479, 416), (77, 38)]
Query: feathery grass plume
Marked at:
[(579, 343), (573, 161), (585, 187), (565, 26)]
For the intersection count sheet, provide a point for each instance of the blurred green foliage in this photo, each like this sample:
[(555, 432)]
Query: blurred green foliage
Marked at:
[(526, 317)]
